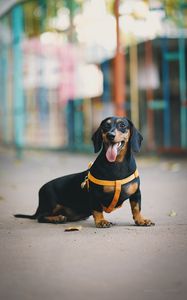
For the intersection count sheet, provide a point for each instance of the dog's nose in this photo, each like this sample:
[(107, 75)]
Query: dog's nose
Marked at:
[(111, 136)]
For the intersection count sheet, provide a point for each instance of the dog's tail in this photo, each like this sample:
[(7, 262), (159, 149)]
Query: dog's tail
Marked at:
[(32, 217)]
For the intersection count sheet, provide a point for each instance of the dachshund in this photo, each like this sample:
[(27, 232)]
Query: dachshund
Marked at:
[(103, 187)]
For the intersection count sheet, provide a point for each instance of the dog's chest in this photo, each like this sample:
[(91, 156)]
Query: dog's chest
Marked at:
[(126, 190)]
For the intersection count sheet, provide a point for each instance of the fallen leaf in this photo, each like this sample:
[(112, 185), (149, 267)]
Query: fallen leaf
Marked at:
[(172, 213), (73, 228)]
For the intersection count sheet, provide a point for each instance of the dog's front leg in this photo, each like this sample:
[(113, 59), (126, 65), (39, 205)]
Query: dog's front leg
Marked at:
[(100, 221), (135, 202), (95, 198)]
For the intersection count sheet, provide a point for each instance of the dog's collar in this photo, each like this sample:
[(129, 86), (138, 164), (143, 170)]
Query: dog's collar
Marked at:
[(116, 183)]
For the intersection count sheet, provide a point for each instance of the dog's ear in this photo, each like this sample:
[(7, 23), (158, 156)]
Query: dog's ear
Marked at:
[(136, 138), (97, 140)]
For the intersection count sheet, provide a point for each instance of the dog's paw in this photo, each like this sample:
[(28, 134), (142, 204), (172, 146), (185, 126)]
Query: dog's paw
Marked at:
[(60, 219), (144, 222), (53, 219), (103, 224)]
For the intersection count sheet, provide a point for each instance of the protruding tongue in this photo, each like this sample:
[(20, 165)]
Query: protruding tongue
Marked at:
[(112, 152)]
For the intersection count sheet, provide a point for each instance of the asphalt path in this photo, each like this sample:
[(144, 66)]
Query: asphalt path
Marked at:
[(124, 262)]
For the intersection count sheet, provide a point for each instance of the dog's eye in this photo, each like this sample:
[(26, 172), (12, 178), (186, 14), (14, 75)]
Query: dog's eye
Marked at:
[(121, 125), (106, 126)]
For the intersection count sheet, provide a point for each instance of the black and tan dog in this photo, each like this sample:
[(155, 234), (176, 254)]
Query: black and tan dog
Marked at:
[(111, 179)]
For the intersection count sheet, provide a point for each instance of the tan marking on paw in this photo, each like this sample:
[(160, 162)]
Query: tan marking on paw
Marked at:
[(103, 224), (137, 216), (56, 219), (100, 221)]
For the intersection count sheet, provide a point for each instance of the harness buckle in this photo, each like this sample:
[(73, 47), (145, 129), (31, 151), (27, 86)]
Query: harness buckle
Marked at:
[(85, 183)]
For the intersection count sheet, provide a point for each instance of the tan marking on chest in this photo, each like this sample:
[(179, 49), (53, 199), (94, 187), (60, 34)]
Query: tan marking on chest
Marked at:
[(132, 188), (108, 189)]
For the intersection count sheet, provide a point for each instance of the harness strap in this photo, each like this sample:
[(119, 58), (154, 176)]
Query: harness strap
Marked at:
[(112, 182), (116, 183), (115, 198)]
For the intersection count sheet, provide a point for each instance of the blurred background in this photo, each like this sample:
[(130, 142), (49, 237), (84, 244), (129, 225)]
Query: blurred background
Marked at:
[(67, 64)]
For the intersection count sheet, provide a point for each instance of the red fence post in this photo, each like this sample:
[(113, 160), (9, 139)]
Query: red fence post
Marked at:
[(119, 70)]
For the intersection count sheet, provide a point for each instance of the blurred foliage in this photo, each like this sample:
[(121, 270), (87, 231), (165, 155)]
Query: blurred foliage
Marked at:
[(110, 5), (176, 10), (38, 14)]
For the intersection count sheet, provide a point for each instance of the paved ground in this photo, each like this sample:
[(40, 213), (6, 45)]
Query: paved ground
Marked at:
[(125, 262)]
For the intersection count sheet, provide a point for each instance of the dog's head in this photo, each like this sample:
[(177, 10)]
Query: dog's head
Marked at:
[(116, 134)]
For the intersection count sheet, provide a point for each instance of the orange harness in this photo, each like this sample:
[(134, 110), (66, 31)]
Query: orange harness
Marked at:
[(115, 183)]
